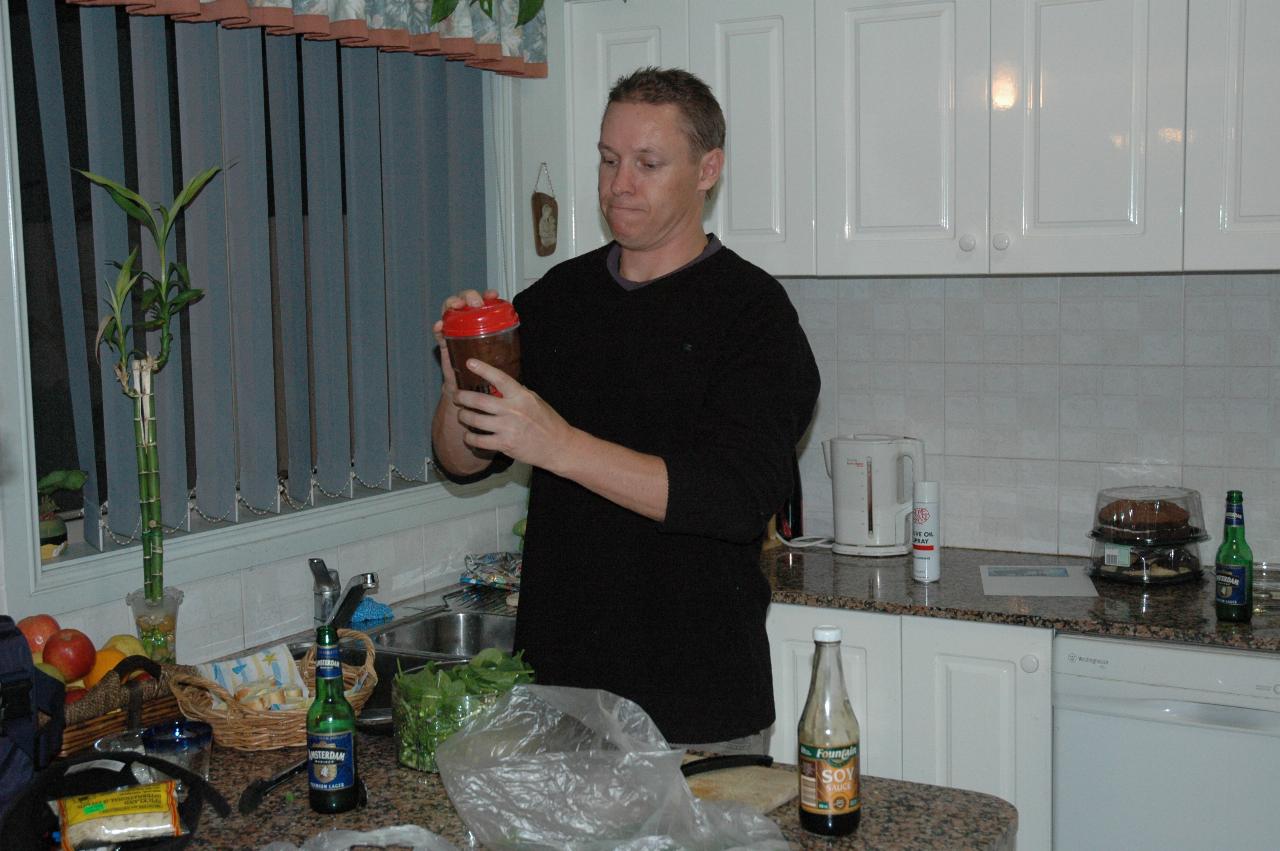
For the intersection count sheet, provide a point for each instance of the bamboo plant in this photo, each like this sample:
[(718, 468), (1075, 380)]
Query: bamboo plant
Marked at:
[(159, 299)]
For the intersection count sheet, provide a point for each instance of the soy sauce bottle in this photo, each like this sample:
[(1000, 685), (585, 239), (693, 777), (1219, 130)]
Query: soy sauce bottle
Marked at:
[(829, 739)]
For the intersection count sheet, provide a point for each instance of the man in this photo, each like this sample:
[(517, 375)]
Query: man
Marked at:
[(665, 385)]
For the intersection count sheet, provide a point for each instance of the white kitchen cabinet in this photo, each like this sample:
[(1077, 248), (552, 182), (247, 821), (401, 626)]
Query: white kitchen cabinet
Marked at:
[(977, 714), (1086, 135), (1059, 123), (902, 137), (607, 40), (966, 137), (1233, 121), (757, 56), (869, 653)]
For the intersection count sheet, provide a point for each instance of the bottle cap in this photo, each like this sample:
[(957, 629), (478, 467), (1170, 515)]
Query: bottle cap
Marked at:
[(494, 316), (926, 491), (827, 634)]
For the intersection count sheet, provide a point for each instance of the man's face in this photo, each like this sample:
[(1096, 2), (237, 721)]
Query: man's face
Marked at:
[(651, 186)]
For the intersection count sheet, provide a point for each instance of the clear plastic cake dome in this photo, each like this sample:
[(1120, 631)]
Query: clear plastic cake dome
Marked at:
[(1151, 515)]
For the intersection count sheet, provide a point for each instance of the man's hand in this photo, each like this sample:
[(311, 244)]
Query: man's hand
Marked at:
[(519, 423), (524, 427)]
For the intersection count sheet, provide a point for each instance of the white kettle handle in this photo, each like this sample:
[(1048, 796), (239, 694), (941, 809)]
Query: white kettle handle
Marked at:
[(909, 449)]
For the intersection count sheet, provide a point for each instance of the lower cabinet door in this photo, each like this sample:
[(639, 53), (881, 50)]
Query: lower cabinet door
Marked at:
[(870, 655), (977, 714)]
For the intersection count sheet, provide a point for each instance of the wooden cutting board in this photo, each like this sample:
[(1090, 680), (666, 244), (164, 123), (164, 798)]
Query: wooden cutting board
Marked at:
[(762, 789)]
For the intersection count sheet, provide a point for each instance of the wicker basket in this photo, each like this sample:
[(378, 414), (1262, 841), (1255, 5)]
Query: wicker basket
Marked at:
[(113, 706), (238, 726)]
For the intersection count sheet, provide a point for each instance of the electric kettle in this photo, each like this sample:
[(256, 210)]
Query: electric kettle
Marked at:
[(873, 480)]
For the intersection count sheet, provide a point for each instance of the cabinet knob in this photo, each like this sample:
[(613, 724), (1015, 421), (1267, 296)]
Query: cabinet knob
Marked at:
[(968, 243), (1000, 241), (1030, 664)]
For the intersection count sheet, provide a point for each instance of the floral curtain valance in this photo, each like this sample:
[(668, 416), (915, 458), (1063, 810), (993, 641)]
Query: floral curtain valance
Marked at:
[(486, 34)]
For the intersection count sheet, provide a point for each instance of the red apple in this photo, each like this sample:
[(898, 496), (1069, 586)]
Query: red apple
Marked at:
[(74, 694), (37, 629), (71, 652)]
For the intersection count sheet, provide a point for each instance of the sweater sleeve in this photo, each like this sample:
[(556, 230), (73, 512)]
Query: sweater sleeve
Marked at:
[(734, 470)]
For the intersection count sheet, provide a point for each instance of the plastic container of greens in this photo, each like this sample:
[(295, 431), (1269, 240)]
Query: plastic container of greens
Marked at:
[(431, 703)]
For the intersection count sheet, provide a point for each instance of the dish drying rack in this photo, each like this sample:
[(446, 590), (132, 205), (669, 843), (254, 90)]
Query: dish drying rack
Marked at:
[(478, 598)]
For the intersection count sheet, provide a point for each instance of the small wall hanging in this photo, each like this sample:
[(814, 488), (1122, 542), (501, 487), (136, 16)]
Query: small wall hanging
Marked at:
[(546, 218)]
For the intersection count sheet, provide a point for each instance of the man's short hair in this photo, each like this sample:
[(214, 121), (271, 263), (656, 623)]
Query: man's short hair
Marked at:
[(703, 118)]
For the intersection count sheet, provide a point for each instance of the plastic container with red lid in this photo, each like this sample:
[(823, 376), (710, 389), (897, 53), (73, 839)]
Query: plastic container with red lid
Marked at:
[(489, 334), (497, 315)]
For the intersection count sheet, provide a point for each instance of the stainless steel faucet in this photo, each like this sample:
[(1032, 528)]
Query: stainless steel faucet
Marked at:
[(332, 607), (326, 592), (351, 597)]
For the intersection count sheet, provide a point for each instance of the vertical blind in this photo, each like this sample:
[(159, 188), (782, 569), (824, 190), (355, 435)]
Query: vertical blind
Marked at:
[(351, 202)]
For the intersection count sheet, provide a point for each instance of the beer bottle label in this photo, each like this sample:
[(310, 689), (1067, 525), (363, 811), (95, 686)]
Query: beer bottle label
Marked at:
[(330, 762), (328, 662), (1229, 584), (829, 780)]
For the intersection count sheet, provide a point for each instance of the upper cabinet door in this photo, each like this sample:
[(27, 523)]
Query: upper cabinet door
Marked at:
[(1086, 135), (902, 137), (1233, 122), (757, 56), (608, 40)]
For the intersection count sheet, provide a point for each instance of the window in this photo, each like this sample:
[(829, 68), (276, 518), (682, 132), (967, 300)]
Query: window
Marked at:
[(353, 199)]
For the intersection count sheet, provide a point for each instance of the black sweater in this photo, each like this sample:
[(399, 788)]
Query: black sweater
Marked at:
[(709, 369)]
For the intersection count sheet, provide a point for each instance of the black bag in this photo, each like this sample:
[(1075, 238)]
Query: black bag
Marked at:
[(26, 746), (29, 822)]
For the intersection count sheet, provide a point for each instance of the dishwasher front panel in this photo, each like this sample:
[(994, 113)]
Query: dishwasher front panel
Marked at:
[(1164, 747)]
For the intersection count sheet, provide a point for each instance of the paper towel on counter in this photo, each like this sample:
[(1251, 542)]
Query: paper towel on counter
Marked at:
[(274, 663)]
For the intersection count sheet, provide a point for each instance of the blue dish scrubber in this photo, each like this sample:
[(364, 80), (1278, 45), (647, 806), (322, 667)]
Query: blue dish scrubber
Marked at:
[(370, 613)]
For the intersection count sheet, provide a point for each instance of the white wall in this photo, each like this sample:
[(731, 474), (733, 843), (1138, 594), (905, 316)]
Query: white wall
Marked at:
[(1032, 393)]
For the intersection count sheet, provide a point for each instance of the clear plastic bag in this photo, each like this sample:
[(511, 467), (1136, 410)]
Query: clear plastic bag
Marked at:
[(399, 836), (584, 769)]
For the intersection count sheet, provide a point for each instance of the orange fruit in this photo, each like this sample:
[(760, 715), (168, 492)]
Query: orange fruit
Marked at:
[(107, 658)]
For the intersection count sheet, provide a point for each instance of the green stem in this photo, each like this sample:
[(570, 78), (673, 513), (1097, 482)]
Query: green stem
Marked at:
[(144, 430)]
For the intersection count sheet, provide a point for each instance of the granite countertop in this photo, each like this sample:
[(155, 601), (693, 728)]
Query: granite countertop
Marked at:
[(896, 814), (1182, 612)]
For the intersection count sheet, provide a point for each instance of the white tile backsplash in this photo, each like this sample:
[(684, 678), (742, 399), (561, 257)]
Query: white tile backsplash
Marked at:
[(211, 618), (401, 560), (278, 598), (1034, 393), (267, 602)]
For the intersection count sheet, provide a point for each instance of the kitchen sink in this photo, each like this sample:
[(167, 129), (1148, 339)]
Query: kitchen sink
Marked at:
[(454, 635), (446, 638)]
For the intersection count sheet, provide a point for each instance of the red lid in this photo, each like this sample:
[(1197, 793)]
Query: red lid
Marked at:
[(496, 315)]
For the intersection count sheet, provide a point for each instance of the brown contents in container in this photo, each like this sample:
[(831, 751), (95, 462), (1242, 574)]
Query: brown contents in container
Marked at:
[(1139, 514), (501, 350)]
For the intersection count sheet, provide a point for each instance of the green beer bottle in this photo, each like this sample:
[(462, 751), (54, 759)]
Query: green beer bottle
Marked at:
[(331, 733), (1233, 566)]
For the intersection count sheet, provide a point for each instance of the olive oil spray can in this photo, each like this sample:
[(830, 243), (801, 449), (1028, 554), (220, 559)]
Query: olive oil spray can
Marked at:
[(926, 547)]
